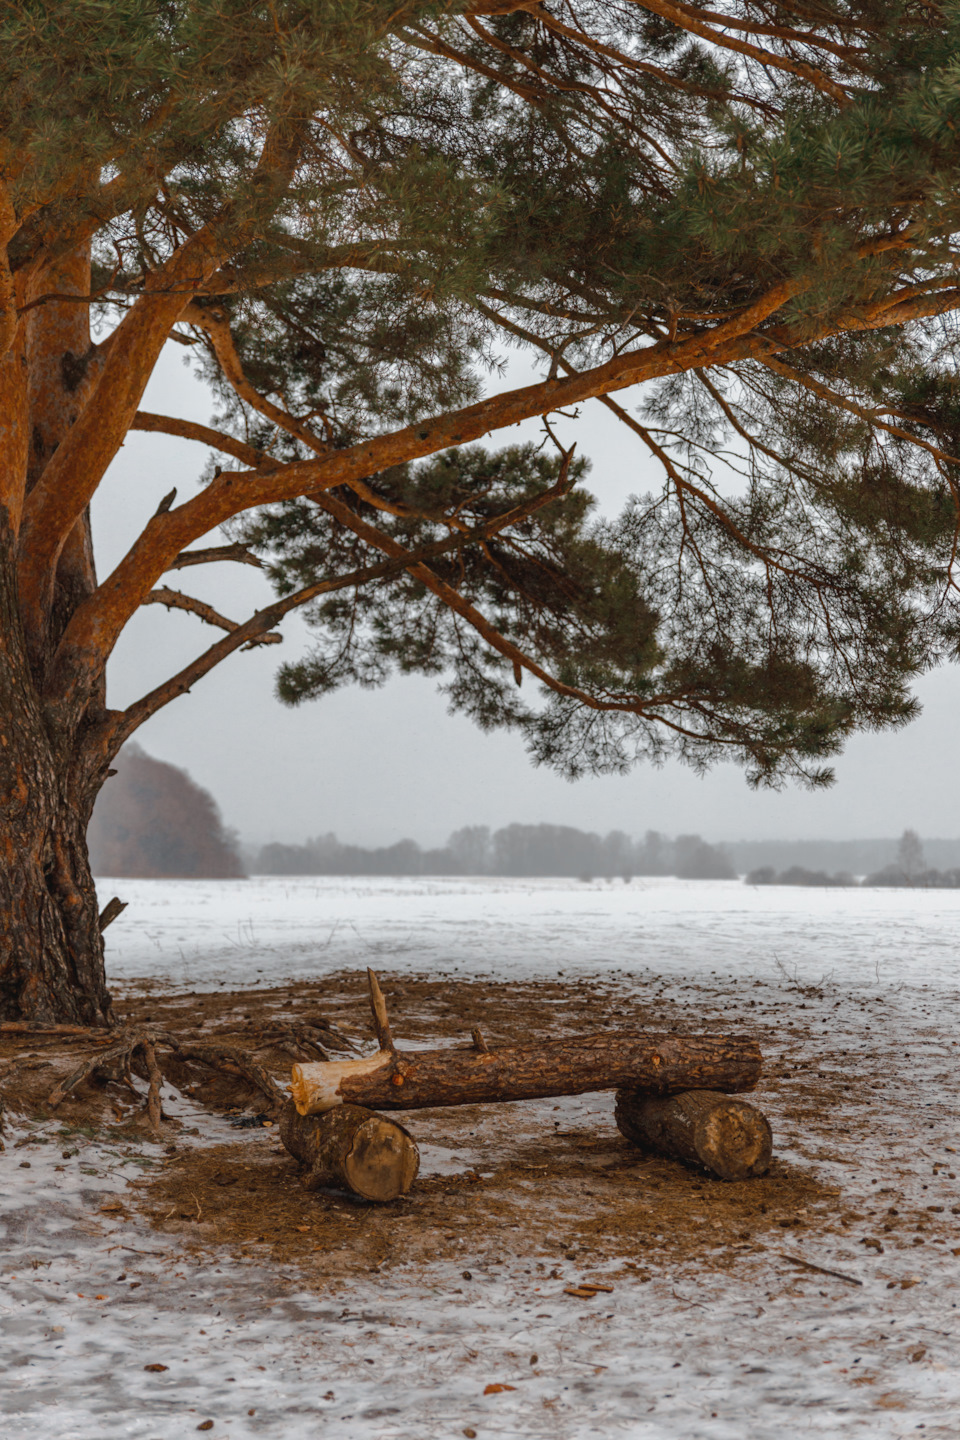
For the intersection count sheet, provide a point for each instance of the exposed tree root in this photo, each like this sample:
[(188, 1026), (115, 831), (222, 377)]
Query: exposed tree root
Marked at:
[(233, 1061), (316, 1038), (120, 1054), (123, 1050)]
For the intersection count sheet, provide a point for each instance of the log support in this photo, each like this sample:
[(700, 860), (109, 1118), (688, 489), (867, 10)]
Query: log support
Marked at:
[(353, 1149), (701, 1127)]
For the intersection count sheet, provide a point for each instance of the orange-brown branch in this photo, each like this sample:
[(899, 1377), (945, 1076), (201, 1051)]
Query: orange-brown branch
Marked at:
[(176, 600), (73, 474), (687, 19), (191, 430), (214, 553), (75, 471)]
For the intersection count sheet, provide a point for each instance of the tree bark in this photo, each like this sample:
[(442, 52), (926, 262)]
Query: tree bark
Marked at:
[(414, 1080), (703, 1127), (51, 950), (351, 1149)]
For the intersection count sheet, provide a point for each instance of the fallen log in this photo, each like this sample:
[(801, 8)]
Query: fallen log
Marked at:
[(728, 1136), (350, 1148)]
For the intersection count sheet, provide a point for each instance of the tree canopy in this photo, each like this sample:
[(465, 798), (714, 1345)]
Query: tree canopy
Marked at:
[(347, 208)]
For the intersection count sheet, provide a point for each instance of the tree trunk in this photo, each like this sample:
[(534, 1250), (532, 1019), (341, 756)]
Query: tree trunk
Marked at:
[(729, 1137), (51, 950), (351, 1149), (414, 1080)]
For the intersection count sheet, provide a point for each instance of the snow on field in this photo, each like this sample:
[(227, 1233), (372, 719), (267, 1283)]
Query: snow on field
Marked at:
[(198, 934), (753, 1348)]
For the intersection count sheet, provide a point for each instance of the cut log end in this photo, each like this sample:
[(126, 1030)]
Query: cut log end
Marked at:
[(350, 1148), (316, 1088), (383, 1160), (724, 1134)]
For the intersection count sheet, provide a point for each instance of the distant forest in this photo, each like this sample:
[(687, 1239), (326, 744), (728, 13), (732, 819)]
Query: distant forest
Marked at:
[(515, 850), (910, 869), (152, 821)]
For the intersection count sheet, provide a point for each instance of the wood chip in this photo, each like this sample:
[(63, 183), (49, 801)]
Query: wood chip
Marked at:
[(580, 1291), (497, 1389)]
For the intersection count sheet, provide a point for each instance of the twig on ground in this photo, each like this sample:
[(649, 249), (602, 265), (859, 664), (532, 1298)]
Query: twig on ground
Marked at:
[(122, 1050), (26, 1027), (820, 1269)]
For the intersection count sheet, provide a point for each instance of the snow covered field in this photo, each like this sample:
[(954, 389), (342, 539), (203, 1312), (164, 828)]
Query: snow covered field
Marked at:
[(859, 987), (198, 934)]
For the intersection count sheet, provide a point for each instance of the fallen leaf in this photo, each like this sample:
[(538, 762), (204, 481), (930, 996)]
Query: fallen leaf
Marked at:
[(156, 1368), (109, 1206), (304, 1229), (101, 1297), (496, 1389), (917, 1354), (205, 1425)]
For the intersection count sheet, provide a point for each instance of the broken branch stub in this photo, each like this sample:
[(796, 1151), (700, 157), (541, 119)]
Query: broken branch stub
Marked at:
[(418, 1079)]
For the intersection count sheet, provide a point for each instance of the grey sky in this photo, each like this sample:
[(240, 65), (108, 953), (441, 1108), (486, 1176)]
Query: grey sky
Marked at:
[(374, 766)]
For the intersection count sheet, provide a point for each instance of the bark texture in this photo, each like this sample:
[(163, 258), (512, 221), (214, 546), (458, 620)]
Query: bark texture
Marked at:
[(413, 1080), (704, 1127), (351, 1148), (51, 950)]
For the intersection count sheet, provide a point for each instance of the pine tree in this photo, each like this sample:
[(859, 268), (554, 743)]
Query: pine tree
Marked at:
[(343, 211)]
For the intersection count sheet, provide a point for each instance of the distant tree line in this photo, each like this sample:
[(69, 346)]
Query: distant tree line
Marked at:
[(856, 857), (909, 869), (555, 850)]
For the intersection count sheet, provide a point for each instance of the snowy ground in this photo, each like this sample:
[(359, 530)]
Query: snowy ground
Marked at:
[(858, 992)]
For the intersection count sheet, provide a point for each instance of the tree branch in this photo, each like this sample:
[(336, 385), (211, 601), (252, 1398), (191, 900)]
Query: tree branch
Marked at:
[(97, 623), (191, 430), (687, 19), (74, 472), (176, 600), (238, 552), (217, 327), (122, 726)]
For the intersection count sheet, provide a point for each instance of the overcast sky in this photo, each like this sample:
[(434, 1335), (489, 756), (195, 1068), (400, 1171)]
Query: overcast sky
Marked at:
[(375, 766)]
